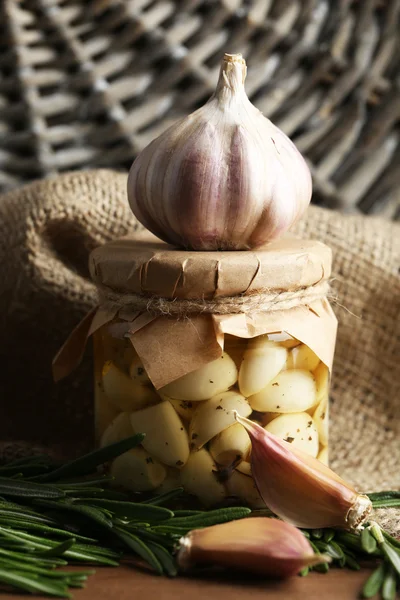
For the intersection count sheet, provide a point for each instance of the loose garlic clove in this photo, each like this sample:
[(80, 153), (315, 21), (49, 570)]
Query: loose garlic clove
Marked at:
[(230, 445), (222, 178), (321, 375), (166, 438), (259, 545), (323, 456), (119, 429), (290, 391), (138, 471), (243, 487), (321, 419), (260, 365), (125, 393), (299, 488), (298, 429), (213, 378), (198, 477), (302, 357), (214, 416)]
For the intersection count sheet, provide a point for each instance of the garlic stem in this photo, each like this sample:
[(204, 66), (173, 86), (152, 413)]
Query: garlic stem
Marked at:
[(232, 75)]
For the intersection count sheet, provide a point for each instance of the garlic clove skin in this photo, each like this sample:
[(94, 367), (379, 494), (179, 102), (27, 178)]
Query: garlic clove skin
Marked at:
[(299, 488), (222, 178), (260, 545)]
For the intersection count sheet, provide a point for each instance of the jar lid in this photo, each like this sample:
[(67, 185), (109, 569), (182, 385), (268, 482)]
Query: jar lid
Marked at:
[(143, 264)]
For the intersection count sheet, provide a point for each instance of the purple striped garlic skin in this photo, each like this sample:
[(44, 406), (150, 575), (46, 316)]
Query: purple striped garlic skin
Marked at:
[(222, 178)]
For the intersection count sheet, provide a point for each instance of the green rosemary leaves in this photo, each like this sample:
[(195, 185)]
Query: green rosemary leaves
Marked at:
[(52, 515)]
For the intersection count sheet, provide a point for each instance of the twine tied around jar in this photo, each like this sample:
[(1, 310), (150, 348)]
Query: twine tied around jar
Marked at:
[(264, 300)]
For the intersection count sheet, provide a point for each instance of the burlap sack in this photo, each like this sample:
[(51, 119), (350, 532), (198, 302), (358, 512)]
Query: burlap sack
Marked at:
[(47, 230)]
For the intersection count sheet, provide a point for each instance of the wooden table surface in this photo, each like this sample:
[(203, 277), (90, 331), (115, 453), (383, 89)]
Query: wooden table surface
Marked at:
[(127, 583)]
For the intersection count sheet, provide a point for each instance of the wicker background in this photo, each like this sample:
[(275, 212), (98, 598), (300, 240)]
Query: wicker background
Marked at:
[(91, 82)]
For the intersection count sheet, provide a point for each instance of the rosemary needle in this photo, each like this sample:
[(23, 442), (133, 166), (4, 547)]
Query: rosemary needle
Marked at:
[(53, 514)]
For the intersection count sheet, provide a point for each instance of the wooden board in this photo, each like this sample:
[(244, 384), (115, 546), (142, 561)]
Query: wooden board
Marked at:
[(127, 583)]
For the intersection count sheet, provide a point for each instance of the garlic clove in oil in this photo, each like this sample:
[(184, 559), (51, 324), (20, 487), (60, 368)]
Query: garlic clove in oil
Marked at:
[(259, 545), (223, 177), (298, 487)]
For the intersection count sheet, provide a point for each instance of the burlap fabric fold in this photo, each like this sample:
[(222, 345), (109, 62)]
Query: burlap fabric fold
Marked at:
[(47, 230)]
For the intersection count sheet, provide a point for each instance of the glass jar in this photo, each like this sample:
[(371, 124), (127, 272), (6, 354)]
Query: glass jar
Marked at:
[(179, 379)]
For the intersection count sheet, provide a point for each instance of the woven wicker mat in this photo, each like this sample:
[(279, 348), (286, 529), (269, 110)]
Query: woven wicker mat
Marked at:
[(46, 232), (91, 82)]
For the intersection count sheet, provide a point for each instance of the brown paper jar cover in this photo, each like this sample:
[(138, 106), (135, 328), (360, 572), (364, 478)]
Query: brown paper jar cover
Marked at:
[(142, 264)]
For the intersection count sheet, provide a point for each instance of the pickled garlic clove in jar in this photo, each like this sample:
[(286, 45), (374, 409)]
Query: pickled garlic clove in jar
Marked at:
[(172, 481), (198, 477), (244, 488), (166, 437), (231, 445), (213, 378), (184, 408), (290, 391), (244, 467), (138, 471), (302, 357), (321, 375), (123, 392), (215, 415), (119, 429), (138, 373), (262, 361), (299, 429), (321, 419)]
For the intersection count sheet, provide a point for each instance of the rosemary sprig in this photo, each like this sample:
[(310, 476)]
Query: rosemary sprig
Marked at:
[(348, 549), (62, 512), (85, 465), (389, 499), (52, 514)]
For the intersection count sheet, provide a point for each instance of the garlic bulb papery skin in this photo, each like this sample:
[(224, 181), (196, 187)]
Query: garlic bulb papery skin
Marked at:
[(222, 178)]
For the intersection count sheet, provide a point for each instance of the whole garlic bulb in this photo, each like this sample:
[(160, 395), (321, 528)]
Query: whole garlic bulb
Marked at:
[(223, 178)]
